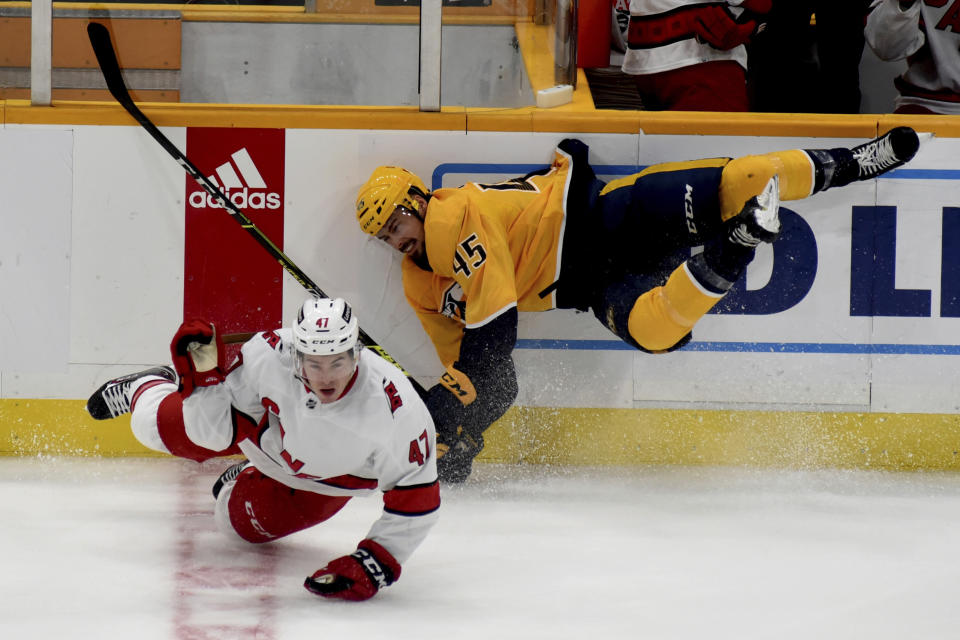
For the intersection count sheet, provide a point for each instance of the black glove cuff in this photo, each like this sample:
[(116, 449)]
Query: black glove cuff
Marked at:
[(380, 574), (185, 341)]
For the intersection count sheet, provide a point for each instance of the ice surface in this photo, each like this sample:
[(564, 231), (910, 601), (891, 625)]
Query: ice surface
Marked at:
[(119, 549)]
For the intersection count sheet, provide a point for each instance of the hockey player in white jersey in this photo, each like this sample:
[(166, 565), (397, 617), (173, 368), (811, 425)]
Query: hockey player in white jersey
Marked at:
[(927, 35), (319, 419)]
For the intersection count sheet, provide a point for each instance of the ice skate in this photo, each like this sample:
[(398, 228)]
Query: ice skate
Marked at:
[(229, 476), (759, 221), (891, 150), (114, 397)]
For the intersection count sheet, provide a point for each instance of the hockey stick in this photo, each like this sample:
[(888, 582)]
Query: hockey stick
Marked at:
[(237, 338), (107, 59)]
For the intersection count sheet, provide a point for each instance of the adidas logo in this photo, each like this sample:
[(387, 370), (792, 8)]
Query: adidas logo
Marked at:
[(245, 189)]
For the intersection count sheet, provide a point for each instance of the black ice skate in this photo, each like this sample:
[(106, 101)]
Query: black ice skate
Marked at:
[(839, 167), (891, 150), (759, 221), (229, 476), (114, 397)]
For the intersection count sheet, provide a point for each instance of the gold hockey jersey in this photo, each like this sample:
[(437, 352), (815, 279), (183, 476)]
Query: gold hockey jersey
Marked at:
[(492, 247)]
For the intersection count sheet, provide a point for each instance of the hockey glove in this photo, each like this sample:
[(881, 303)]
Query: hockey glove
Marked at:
[(455, 454), (358, 576), (198, 355)]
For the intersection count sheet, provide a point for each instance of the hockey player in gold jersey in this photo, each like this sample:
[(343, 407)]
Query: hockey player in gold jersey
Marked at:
[(561, 238)]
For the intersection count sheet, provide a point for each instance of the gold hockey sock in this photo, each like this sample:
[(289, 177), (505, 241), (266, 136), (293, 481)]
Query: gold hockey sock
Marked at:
[(745, 177), (662, 316)]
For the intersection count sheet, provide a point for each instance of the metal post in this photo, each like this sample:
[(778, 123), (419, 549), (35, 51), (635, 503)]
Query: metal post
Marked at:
[(431, 23), (565, 43), (41, 52), (543, 11)]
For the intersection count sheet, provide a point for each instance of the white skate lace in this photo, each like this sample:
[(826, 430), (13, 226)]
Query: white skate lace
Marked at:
[(874, 158), (115, 397), (231, 474), (742, 235)]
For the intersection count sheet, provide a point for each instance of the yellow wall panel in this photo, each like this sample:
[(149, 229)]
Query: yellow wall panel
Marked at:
[(593, 437)]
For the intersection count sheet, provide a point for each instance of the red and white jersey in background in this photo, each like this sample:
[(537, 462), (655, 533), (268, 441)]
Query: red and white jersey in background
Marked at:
[(927, 34), (378, 436), (673, 53)]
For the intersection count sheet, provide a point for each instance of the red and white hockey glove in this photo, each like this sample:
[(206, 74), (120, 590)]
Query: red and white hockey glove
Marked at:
[(198, 355), (358, 576)]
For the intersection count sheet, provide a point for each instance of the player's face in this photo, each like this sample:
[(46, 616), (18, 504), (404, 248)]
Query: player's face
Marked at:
[(328, 376), (404, 232)]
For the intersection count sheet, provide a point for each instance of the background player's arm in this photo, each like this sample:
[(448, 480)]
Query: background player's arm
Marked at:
[(893, 29)]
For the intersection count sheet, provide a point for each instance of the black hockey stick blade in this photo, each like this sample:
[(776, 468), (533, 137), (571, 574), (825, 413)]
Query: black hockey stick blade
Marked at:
[(109, 65), (110, 68)]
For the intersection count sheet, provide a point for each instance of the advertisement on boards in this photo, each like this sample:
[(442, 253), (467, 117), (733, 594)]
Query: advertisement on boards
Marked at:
[(228, 278)]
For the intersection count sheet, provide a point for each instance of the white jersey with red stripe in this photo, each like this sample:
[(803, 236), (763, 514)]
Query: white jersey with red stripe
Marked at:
[(927, 34), (377, 436), (680, 52)]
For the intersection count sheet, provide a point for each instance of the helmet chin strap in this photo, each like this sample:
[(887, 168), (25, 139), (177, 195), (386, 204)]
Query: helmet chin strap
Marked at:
[(298, 368)]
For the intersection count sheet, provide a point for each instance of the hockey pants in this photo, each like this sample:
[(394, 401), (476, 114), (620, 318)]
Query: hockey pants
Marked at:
[(259, 509), (652, 219)]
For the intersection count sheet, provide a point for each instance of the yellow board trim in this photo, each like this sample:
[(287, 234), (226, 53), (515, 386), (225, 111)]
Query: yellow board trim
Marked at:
[(147, 7), (527, 119), (275, 13), (165, 114), (199, 13), (596, 437), (767, 439)]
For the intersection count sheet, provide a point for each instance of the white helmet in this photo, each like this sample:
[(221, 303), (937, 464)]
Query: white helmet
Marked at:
[(325, 326)]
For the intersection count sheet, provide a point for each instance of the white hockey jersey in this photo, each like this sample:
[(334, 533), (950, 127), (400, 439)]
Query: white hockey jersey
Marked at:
[(674, 53), (927, 34), (378, 436)]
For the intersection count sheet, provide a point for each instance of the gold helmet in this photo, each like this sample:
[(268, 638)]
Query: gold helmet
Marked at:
[(387, 189)]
